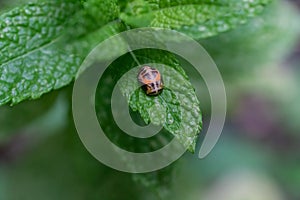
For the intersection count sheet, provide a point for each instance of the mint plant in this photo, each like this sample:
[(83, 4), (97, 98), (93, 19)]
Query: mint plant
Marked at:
[(43, 43)]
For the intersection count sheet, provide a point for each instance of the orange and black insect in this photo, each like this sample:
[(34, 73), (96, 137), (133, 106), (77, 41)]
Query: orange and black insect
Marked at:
[(151, 80)]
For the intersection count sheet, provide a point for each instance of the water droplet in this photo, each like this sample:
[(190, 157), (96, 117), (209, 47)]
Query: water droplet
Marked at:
[(202, 28), (170, 119), (43, 82), (27, 75), (14, 92)]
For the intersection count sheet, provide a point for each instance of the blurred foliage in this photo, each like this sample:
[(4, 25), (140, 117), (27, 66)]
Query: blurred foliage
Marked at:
[(244, 55), (65, 172), (12, 119), (265, 40)]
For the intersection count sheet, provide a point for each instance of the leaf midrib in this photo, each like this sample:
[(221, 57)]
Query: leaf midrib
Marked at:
[(46, 44)]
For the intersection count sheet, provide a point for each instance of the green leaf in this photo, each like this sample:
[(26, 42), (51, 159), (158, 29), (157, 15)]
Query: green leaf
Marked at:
[(29, 64), (37, 54), (83, 45), (197, 18), (106, 119), (95, 14), (176, 108), (27, 28)]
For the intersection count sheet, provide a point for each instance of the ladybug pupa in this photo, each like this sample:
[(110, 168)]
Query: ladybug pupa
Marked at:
[(150, 80)]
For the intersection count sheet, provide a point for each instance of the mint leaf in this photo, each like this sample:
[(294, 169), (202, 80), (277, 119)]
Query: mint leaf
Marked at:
[(196, 18), (29, 65), (176, 108), (27, 28), (37, 52), (95, 14), (83, 45)]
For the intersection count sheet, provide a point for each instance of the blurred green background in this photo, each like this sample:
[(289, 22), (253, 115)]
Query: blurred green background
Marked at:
[(256, 158)]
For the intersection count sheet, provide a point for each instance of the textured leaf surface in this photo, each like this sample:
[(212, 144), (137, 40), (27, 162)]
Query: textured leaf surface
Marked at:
[(30, 66), (176, 108), (107, 122), (27, 28), (197, 18), (95, 14), (37, 55)]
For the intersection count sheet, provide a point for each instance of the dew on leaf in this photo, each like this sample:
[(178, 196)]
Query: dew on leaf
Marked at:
[(170, 119), (202, 28)]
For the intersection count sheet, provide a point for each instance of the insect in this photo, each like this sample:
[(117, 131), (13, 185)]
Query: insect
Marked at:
[(151, 80)]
